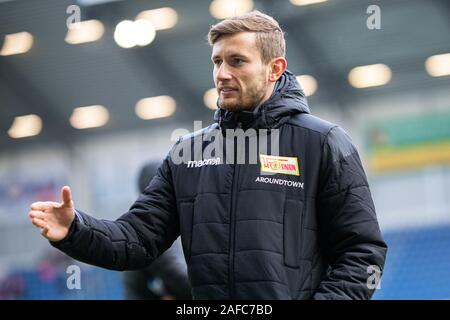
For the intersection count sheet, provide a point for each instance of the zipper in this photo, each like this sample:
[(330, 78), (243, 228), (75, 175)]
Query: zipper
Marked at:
[(234, 194)]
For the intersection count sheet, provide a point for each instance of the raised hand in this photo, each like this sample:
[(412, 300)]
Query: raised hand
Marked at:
[(53, 218)]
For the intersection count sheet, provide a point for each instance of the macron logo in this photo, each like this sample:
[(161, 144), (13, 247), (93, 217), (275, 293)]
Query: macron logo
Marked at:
[(201, 163)]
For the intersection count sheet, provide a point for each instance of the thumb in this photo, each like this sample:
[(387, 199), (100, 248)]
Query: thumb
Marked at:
[(66, 195)]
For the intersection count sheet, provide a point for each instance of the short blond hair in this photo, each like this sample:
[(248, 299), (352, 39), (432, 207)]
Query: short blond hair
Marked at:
[(269, 35)]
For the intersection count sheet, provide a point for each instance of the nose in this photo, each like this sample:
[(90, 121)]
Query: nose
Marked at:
[(223, 72)]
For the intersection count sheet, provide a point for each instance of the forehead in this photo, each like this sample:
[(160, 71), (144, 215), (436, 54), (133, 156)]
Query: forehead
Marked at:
[(239, 43)]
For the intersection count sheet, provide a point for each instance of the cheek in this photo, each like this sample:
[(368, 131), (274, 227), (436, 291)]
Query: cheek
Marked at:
[(250, 82)]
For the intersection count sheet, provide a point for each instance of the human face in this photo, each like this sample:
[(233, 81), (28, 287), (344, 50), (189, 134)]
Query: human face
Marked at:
[(240, 76)]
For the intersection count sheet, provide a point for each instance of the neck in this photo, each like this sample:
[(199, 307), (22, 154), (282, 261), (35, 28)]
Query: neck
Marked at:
[(269, 92), (267, 95)]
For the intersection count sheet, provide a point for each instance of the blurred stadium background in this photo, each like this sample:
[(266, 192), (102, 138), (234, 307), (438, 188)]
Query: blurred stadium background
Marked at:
[(88, 107)]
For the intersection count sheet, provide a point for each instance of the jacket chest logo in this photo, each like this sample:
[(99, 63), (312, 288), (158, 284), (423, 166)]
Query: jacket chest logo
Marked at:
[(275, 164), (201, 163)]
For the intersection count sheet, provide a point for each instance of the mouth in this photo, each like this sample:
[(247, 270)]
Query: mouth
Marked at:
[(227, 90)]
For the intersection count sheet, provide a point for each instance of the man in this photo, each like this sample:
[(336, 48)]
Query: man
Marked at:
[(299, 223)]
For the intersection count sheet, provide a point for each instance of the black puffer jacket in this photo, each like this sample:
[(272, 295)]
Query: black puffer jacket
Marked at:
[(308, 232)]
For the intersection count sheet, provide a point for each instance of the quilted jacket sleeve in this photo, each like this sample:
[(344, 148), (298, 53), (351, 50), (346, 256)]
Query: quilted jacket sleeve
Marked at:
[(352, 239), (135, 239)]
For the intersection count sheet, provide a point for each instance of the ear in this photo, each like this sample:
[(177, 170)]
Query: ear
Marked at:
[(277, 67)]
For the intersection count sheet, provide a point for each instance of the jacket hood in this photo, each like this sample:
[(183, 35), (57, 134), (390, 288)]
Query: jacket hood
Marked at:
[(287, 99)]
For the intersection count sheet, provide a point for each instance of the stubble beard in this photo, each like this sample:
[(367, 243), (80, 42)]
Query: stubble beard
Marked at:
[(253, 98)]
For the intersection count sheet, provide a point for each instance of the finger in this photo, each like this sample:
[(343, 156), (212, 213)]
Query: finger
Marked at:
[(39, 223), (43, 205), (40, 205), (36, 214), (44, 231), (66, 195)]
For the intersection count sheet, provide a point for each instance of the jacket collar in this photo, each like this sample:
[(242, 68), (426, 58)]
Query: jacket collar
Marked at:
[(287, 99)]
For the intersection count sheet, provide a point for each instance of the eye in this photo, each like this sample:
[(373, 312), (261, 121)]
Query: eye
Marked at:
[(237, 61), (217, 62)]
